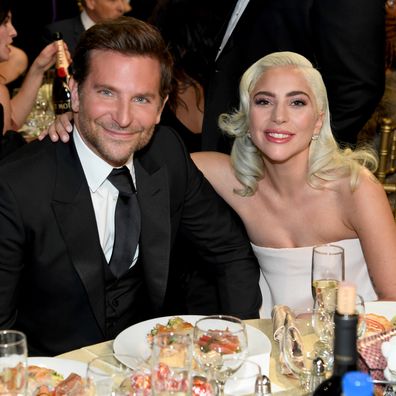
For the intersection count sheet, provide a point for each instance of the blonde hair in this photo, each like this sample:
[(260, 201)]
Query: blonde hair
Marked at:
[(327, 161)]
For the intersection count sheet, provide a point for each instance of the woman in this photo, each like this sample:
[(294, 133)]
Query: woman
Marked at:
[(18, 108), (294, 188)]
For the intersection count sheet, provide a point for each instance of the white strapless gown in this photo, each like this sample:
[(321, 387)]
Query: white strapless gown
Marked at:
[(286, 275)]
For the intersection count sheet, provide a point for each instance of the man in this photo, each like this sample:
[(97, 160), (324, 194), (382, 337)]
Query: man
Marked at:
[(93, 11), (58, 209), (343, 38)]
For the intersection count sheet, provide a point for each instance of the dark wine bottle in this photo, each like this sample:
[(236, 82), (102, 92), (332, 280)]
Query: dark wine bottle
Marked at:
[(61, 97), (345, 352)]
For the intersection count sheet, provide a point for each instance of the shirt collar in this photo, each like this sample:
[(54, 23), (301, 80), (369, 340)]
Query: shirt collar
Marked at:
[(86, 20), (95, 168)]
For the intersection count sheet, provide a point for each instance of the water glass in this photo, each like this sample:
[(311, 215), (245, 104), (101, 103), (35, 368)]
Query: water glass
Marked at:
[(171, 362), (13, 363), (243, 381), (107, 376), (220, 342), (361, 311)]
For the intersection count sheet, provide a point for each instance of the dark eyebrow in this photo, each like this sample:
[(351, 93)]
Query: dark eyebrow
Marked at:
[(289, 94)]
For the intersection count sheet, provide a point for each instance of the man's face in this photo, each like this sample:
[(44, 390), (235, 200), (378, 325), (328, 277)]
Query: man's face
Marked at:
[(101, 10), (118, 105)]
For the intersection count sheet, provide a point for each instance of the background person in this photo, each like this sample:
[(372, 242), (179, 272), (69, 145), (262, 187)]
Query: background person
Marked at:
[(93, 11), (18, 108), (350, 57)]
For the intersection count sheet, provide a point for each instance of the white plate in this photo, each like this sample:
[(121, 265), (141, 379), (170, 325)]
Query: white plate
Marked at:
[(62, 366), (384, 308), (133, 340)]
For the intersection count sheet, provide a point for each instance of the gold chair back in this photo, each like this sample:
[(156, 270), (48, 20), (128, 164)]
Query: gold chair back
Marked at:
[(386, 172)]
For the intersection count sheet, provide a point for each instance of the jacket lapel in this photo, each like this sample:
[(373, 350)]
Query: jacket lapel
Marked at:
[(74, 212), (153, 195)]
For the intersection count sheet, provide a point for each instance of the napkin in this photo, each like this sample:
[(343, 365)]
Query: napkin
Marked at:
[(288, 336)]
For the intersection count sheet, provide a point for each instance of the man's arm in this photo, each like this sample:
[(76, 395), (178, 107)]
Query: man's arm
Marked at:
[(349, 45), (11, 255), (222, 241)]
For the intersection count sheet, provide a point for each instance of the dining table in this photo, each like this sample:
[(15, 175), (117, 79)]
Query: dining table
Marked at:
[(281, 384)]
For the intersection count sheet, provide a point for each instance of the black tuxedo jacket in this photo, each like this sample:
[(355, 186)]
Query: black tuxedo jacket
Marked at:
[(71, 30), (51, 270), (343, 38)]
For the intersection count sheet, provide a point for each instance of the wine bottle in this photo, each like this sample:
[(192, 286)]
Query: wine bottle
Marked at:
[(345, 352), (61, 97)]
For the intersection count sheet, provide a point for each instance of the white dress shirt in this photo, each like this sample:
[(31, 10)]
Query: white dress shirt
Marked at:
[(238, 11), (86, 20), (104, 195)]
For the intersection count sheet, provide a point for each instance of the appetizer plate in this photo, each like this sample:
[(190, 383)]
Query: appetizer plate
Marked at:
[(133, 340), (62, 366), (384, 308)]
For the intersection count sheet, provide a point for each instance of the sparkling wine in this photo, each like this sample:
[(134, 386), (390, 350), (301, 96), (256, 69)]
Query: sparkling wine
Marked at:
[(61, 96), (324, 292)]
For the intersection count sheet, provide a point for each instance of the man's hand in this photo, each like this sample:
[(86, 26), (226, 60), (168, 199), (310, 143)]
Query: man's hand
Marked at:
[(60, 128)]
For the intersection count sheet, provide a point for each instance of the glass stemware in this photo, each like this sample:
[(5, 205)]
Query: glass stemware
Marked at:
[(171, 364), (220, 342), (107, 376), (13, 363), (243, 381), (328, 269)]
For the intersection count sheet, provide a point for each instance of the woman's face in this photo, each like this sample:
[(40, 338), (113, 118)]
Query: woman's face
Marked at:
[(7, 33), (283, 114)]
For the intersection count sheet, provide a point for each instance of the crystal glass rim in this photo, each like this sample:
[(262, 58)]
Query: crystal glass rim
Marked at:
[(337, 249), (225, 318), (22, 338)]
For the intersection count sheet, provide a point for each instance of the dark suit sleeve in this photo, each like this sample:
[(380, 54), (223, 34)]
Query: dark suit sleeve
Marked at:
[(349, 45), (11, 255), (221, 239)]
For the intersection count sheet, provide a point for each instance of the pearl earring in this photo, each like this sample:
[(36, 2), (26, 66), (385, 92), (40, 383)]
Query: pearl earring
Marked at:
[(315, 137)]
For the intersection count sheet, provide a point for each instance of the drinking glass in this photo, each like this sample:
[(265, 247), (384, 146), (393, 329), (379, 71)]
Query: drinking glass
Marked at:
[(220, 342), (107, 376), (361, 311), (328, 269), (171, 361), (243, 381), (13, 363), (298, 346)]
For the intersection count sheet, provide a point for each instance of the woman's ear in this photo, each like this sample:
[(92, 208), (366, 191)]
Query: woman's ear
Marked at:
[(319, 123)]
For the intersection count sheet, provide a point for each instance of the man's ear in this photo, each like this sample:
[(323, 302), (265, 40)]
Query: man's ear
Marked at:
[(161, 108), (90, 4), (75, 101)]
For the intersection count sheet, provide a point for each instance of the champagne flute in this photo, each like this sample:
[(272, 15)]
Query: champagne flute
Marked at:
[(328, 269), (13, 363), (220, 342)]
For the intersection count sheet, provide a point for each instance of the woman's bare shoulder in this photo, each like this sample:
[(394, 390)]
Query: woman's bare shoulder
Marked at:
[(217, 168), (211, 162)]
